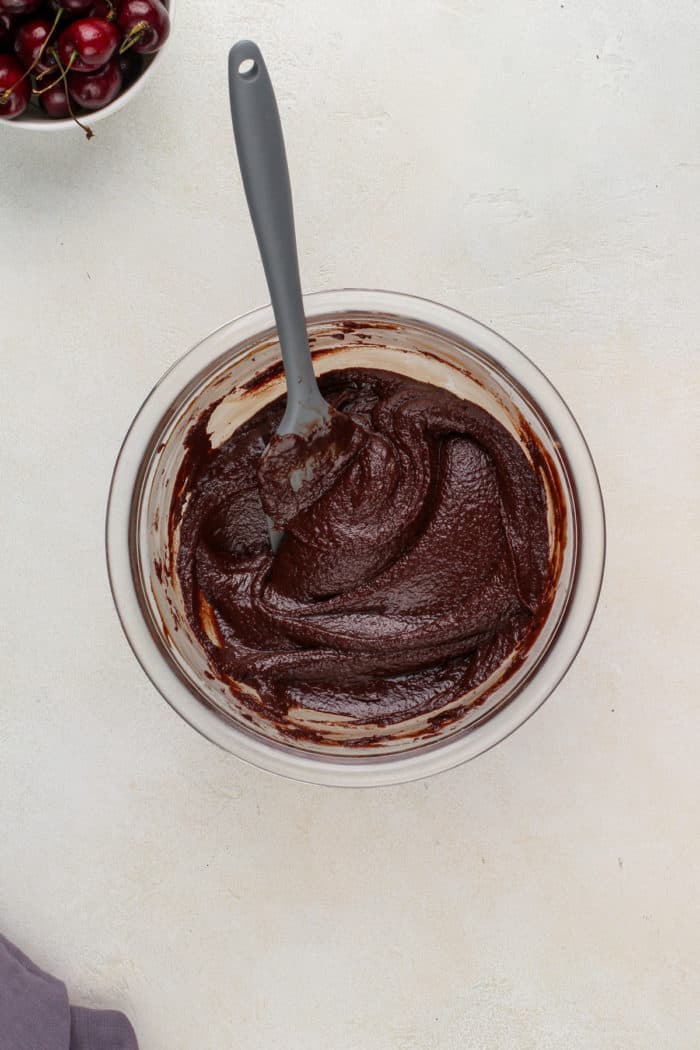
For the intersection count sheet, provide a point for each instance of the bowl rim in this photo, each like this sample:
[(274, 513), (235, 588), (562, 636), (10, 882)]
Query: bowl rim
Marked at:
[(40, 122), (365, 771)]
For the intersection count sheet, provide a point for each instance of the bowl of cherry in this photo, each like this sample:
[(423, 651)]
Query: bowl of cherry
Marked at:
[(71, 62)]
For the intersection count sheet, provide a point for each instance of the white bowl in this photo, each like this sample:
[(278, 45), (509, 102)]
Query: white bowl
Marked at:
[(36, 120)]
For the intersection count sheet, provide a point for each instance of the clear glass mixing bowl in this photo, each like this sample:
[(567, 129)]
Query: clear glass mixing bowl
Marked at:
[(402, 334)]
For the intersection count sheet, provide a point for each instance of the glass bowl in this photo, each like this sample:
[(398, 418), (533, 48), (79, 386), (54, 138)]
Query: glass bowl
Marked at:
[(237, 368)]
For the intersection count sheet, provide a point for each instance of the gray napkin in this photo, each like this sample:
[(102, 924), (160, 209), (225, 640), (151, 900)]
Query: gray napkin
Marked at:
[(35, 1015)]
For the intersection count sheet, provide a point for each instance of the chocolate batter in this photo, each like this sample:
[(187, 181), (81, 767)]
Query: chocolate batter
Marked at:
[(401, 586)]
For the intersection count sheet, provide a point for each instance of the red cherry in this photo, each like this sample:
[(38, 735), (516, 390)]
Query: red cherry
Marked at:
[(30, 38), (54, 6), (19, 7), (87, 44), (6, 28), (75, 7), (11, 73), (146, 23), (97, 89), (103, 9), (131, 67), (54, 101)]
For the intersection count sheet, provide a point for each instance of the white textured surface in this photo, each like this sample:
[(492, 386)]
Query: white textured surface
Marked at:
[(538, 165)]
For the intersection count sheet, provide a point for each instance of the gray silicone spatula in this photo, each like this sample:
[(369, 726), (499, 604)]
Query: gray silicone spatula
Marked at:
[(263, 163)]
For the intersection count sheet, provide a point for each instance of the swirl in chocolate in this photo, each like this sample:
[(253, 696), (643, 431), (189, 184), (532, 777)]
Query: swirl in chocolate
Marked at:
[(407, 580)]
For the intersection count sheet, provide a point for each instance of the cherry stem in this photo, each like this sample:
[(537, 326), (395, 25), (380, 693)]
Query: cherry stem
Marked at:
[(8, 91), (133, 36), (46, 72), (89, 133), (61, 76)]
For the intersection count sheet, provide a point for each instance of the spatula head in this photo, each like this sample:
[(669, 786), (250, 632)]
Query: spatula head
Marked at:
[(296, 469)]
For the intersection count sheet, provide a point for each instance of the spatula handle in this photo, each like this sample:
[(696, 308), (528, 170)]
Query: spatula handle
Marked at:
[(263, 163)]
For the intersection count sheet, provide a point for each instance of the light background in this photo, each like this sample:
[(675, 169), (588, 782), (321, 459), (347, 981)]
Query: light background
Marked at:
[(536, 164)]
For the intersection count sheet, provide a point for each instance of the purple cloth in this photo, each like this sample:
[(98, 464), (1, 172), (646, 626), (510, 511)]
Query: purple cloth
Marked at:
[(35, 1015)]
